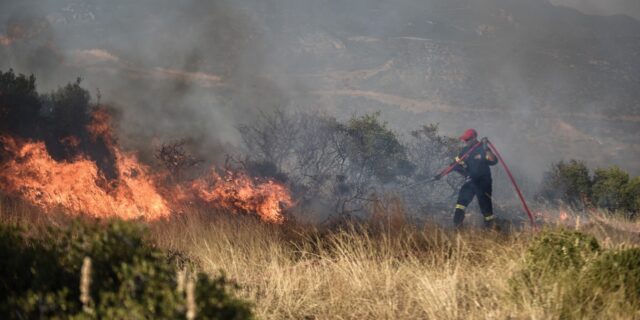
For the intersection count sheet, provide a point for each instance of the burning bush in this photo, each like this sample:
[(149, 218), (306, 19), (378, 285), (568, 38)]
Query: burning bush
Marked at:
[(66, 156), (175, 158), (104, 271)]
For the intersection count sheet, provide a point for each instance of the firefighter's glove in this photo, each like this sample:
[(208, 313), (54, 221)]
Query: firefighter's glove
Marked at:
[(485, 143), (437, 177)]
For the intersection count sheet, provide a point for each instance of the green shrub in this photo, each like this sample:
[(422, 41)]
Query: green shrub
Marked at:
[(567, 182), (375, 147), (19, 104), (632, 195), (615, 271), (128, 278), (554, 258), (608, 286), (608, 190), (612, 188), (554, 252)]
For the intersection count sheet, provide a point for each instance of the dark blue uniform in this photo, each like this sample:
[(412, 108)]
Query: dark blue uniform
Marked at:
[(475, 168)]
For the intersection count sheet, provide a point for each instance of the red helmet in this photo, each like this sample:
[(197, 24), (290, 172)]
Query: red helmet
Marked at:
[(469, 134)]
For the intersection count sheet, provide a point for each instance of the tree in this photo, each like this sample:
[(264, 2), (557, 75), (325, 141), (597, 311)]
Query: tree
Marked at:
[(271, 136), (608, 190), (567, 182), (340, 166), (71, 110), (19, 104), (175, 158), (430, 152), (632, 195), (372, 146)]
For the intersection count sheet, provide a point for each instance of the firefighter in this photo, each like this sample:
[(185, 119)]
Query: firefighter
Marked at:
[(475, 169)]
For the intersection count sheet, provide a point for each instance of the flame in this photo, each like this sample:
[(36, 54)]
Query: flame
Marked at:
[(5, 41), (563, 216), (100, 127), (78, 185), (241, 193)]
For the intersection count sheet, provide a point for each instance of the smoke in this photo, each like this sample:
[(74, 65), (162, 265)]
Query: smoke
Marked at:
[(189, 69), (610, 7), (545, 83)]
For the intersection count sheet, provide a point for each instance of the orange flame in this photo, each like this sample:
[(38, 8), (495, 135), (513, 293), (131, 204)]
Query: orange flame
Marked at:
[(563, 216), (241, 193), (75, 186), (100, 126), (78, 185)]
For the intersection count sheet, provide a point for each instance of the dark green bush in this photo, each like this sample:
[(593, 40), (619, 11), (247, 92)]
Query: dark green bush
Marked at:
[(554, 258), (129, 278), (568, 272), (19, 104), (375, 147), (608, 287), (608, 189), (613, 272), (554, 252), (567, 182), (612, 188), (632, 195)]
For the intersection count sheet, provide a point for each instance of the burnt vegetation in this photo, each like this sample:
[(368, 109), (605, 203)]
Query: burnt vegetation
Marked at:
[(349, 168), (339, 167), (175, 157), (61, 119), (344, 167)]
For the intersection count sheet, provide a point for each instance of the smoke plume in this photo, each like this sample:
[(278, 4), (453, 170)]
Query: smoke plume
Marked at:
[(544, 81)]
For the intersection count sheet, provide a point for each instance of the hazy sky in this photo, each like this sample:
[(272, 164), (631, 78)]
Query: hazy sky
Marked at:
[(604, 7)]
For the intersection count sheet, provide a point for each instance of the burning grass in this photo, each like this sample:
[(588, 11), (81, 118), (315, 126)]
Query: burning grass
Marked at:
[(80, 185)]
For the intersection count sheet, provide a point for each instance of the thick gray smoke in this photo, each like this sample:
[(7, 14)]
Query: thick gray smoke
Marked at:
[(545, 82)]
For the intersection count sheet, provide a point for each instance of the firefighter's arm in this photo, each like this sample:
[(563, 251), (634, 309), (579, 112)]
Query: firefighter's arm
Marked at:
[(489, 157), (460, 167)]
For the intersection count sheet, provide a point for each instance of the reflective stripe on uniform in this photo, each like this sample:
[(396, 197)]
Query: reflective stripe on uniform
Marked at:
[(461, 207), (489, 218)]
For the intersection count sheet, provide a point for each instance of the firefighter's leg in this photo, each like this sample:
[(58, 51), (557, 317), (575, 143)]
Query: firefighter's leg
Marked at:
[(485, 203), (466, 194)]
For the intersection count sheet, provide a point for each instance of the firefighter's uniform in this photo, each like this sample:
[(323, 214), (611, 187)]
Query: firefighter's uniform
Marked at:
[(475, 169)]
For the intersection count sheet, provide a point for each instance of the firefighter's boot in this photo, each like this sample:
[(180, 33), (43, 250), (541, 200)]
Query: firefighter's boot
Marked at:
[(458, 216)]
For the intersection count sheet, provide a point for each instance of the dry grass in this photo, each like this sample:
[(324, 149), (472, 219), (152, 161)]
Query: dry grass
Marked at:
[(388, 270), (393, 271)]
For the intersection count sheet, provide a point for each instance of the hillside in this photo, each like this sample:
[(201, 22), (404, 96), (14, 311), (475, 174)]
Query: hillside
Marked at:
[(532, 75)]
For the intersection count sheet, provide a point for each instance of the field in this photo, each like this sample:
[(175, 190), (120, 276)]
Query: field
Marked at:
[(384, 269)]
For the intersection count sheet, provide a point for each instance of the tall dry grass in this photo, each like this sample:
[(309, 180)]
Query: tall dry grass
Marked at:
[(387, 270)]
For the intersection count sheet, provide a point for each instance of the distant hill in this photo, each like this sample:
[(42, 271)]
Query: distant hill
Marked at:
[(558, 81)]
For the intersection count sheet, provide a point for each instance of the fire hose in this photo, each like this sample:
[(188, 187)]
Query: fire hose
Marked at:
[(450, 168), (515, 185)]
